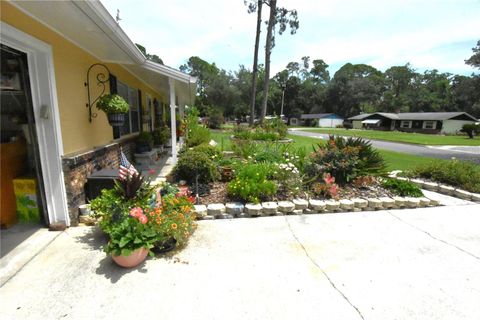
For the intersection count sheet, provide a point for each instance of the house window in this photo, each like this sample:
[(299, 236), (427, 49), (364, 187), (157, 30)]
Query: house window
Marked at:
[(132, 119), (429, 124), (406, 124)]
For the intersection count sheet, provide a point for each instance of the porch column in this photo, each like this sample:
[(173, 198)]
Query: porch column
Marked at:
[(173, 119)]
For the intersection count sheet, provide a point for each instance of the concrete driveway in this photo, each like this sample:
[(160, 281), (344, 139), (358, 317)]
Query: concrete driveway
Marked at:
[(398, 264)]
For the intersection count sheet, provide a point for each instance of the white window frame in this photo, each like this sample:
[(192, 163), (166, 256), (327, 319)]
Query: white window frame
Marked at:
[(434, 124), (409, 122), (41, 74)]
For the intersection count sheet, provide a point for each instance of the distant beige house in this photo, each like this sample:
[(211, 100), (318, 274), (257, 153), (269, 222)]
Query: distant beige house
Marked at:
[(421, 122)]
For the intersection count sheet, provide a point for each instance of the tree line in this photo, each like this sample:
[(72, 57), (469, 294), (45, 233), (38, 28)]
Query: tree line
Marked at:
[(308, 87)]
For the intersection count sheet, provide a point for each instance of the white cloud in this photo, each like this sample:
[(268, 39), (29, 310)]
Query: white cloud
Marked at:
[(381, 33)]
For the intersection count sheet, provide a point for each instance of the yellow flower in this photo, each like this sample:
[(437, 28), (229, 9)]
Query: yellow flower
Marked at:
[(174, 226)]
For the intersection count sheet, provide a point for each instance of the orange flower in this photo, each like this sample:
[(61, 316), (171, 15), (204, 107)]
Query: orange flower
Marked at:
[(174, 226)]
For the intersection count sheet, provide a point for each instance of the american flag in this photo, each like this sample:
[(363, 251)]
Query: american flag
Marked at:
[(126, 168)]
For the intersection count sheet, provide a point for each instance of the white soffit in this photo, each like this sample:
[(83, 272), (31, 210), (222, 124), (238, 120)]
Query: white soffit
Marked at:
[(87, 24)]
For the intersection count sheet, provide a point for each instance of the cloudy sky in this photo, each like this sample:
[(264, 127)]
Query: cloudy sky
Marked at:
[(428, 34)]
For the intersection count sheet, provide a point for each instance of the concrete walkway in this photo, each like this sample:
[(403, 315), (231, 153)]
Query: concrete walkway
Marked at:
[(398, 264)]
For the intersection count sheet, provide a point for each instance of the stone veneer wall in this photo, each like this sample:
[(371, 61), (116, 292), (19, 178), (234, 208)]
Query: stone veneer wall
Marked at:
[(77, 167)]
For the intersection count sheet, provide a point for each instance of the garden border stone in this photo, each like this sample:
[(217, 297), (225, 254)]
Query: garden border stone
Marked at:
[(316, 206)]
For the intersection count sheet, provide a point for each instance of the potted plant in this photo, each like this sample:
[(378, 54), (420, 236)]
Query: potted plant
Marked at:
[(166, 136), (144, 142), (115, 107), (137, 224)]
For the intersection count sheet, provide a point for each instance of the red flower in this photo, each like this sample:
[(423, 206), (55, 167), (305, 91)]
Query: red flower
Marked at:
[(191, 199)]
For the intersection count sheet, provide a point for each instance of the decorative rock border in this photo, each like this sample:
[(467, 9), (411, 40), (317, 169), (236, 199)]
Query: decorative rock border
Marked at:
[(303, 206), (441, 188), (313, 206)]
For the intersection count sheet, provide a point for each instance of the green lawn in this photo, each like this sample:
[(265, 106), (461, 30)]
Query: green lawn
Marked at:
[(394, 160), (415, 138)]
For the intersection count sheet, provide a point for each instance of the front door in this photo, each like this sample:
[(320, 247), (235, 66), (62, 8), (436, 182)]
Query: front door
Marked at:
[(22, 192)]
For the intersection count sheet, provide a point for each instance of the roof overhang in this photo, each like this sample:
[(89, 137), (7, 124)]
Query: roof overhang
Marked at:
[(90, 26)]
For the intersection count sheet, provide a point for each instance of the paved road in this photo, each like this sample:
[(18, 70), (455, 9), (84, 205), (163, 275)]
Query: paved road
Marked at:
[(470, 153), (397, 264)]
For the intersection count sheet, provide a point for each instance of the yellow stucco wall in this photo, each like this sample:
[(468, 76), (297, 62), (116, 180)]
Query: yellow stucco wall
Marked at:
[(71, 64)]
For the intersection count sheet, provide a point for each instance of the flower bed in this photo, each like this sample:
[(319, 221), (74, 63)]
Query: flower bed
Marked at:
[(273, 171)]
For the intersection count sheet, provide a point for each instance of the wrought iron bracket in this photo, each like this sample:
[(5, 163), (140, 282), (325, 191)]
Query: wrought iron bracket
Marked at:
[(102, 77)]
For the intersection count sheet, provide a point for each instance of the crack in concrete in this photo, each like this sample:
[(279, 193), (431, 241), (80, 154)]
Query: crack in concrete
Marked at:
[(321, 270), (433, 237)]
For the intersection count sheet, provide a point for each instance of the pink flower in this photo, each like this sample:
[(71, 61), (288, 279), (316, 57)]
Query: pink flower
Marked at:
[(143, 219), (333, 190), (136, 212), (328, 178), (151, 172)]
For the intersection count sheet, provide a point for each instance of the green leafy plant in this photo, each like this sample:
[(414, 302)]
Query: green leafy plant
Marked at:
[(161, 135), (341, 163), (402, 188), (112, 103), (370, 161), (192, 163), (197, 135), (132, 218), (345, 159), (275, 125), (145, 138), (462, 174), (252, 182)]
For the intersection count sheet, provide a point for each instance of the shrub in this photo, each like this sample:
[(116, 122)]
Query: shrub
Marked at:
[(471, 129), (197, 135), (402, 188), (215, 119), (462, 174), (370, 160), (275, 125), (252, 182), (288, 178), (192, 163), (340, 162)]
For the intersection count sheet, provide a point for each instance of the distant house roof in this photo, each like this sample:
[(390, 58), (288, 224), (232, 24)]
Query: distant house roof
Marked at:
[(415, 115), (320, 116), (360, 116)]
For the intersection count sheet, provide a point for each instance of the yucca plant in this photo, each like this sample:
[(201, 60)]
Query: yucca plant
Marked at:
[(370, 161)]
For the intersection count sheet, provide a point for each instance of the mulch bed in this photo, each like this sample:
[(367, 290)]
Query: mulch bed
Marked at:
[(218, 193)]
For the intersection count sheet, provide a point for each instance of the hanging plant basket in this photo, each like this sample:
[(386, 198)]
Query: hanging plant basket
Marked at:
[(116, 119)]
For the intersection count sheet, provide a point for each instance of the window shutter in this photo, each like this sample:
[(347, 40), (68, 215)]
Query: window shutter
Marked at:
[(113, 84), (140, 109)]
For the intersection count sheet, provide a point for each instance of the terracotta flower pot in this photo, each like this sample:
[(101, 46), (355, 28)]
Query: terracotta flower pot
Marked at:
[(133, 260)]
